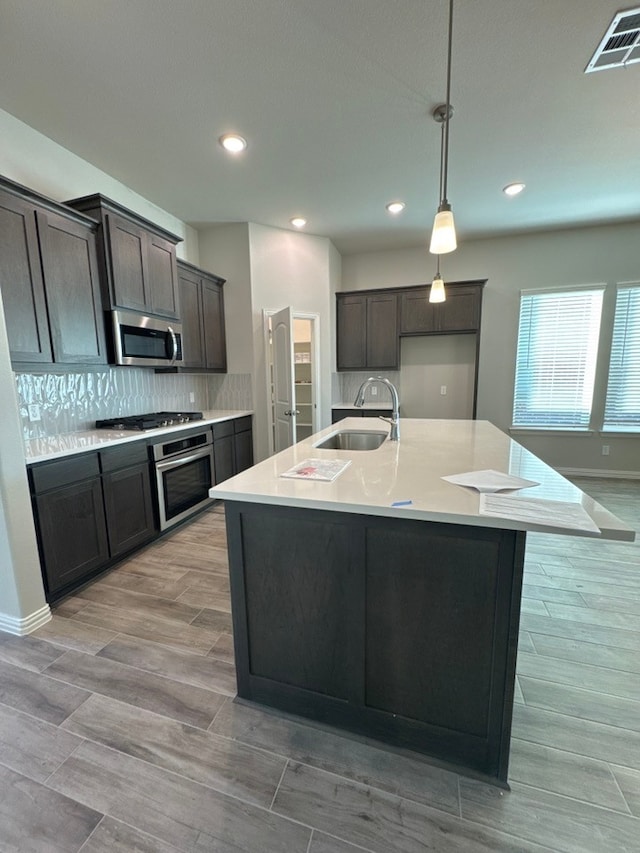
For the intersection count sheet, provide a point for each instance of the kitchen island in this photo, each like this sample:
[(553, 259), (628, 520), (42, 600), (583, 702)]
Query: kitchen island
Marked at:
[(400, 622)]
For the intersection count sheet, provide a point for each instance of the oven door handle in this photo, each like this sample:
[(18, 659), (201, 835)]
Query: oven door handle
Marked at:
[(168, 464)]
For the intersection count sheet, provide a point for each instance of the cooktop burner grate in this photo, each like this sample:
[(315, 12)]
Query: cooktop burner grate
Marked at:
[(149, 421)]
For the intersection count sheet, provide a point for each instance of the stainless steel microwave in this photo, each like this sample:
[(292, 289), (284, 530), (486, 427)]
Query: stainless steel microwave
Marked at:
[(144, 341)]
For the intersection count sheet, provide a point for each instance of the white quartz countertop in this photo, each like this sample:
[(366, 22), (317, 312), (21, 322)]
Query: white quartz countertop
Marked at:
[(68, 444), (411, 470)]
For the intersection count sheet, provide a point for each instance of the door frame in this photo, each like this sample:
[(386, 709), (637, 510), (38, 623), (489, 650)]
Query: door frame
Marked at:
[(315, 366)]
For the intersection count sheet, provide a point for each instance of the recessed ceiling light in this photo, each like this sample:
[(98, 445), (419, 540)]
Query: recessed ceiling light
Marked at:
[(395, 207), (233, 143), (513, 189), (298, 222)]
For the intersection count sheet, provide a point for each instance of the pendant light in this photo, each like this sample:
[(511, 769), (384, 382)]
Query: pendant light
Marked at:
[(436, 293), (443, 236)]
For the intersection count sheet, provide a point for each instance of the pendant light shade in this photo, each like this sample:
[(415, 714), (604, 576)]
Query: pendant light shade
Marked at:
[(437, 294), (436, 291), (443, 236)]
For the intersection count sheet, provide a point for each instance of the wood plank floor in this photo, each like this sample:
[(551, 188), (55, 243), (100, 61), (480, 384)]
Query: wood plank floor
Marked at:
[(118, 730)]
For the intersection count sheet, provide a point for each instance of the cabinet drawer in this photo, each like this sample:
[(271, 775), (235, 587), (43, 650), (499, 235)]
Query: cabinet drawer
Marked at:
[(339, 414), (222, 430), (377, 413), (242, 424), (62, 472), (121, 457)]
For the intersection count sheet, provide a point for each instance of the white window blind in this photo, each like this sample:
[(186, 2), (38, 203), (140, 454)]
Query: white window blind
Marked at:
[(556, 360), (622, 409)]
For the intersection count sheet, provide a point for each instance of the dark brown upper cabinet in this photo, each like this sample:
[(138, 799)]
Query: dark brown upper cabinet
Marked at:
[(367, 330), (203, 329), (137, 259), (460, 312), (49, 280)]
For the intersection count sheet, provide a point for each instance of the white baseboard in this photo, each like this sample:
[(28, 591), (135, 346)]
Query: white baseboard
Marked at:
[(27, 624), (600, 472)]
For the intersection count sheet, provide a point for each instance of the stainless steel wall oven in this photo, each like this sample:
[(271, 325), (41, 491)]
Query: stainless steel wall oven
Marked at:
[(184, 474)]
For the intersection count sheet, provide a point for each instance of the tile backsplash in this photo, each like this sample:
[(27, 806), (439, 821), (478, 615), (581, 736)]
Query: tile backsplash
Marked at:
[(346, 385), (230, 391), (70, 402)]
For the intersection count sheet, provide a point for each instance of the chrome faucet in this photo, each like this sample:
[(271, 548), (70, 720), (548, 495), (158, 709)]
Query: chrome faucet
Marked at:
[(394, 420)]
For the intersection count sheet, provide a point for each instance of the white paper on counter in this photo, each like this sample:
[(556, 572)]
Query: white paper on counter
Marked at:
[(489, 481), (548, 513), (317, 469)]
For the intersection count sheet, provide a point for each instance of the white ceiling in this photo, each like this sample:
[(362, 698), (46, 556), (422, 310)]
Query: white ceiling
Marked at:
[(335, 99)]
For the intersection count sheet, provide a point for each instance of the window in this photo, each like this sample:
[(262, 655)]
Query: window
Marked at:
[(622, 410), (556, 360)]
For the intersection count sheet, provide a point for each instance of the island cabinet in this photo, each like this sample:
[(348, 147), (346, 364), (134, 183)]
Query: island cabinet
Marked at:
[(459, 313), (137, 259), (49, 281), (232, 447), (400, 630), (367, 330), (387, 603), (89, 510), (203, 328)]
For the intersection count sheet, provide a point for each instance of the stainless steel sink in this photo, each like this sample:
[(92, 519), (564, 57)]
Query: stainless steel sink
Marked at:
[(348, 439)]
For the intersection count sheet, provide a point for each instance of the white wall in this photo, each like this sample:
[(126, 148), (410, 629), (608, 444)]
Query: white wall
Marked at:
[(22, 603), (289, 269), (37, 162), (268, 269), (607, 254)]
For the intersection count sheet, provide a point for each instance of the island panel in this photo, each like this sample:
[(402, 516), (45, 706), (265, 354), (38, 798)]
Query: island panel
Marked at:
[(400, 630)]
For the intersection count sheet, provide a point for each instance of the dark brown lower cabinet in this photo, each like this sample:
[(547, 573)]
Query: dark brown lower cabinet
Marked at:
[(400, 630), (339, 414), (129, 509), (232, 447), (72, 534), (90, 510), (243, 443)]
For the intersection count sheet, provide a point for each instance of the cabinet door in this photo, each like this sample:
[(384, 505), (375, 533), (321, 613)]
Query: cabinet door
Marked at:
[(190, 305), (127, 251), (461, 310), (417, 314), (161, 277), (224, 458), (351, 332), (129, 508), (70, 269), (72, 533), (21, 282), (213, 326), (382, 331), (243, 450)]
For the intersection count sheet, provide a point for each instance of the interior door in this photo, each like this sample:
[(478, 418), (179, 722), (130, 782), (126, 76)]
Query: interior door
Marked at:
[(283, 388)]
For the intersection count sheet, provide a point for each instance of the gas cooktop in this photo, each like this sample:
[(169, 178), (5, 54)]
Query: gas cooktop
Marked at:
[(149, 421)]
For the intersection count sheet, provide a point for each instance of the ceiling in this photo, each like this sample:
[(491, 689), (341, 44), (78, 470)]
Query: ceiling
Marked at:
[(335, 100)]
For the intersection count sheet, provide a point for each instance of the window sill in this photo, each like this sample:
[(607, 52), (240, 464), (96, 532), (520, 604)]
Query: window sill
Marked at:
[(617, 433)]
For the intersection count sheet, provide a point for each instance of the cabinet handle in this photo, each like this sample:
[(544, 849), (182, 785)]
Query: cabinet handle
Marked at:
[(290, 412), (174, 343)]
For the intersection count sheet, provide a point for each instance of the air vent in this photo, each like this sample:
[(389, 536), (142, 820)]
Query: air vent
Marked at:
[(620, 45)]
